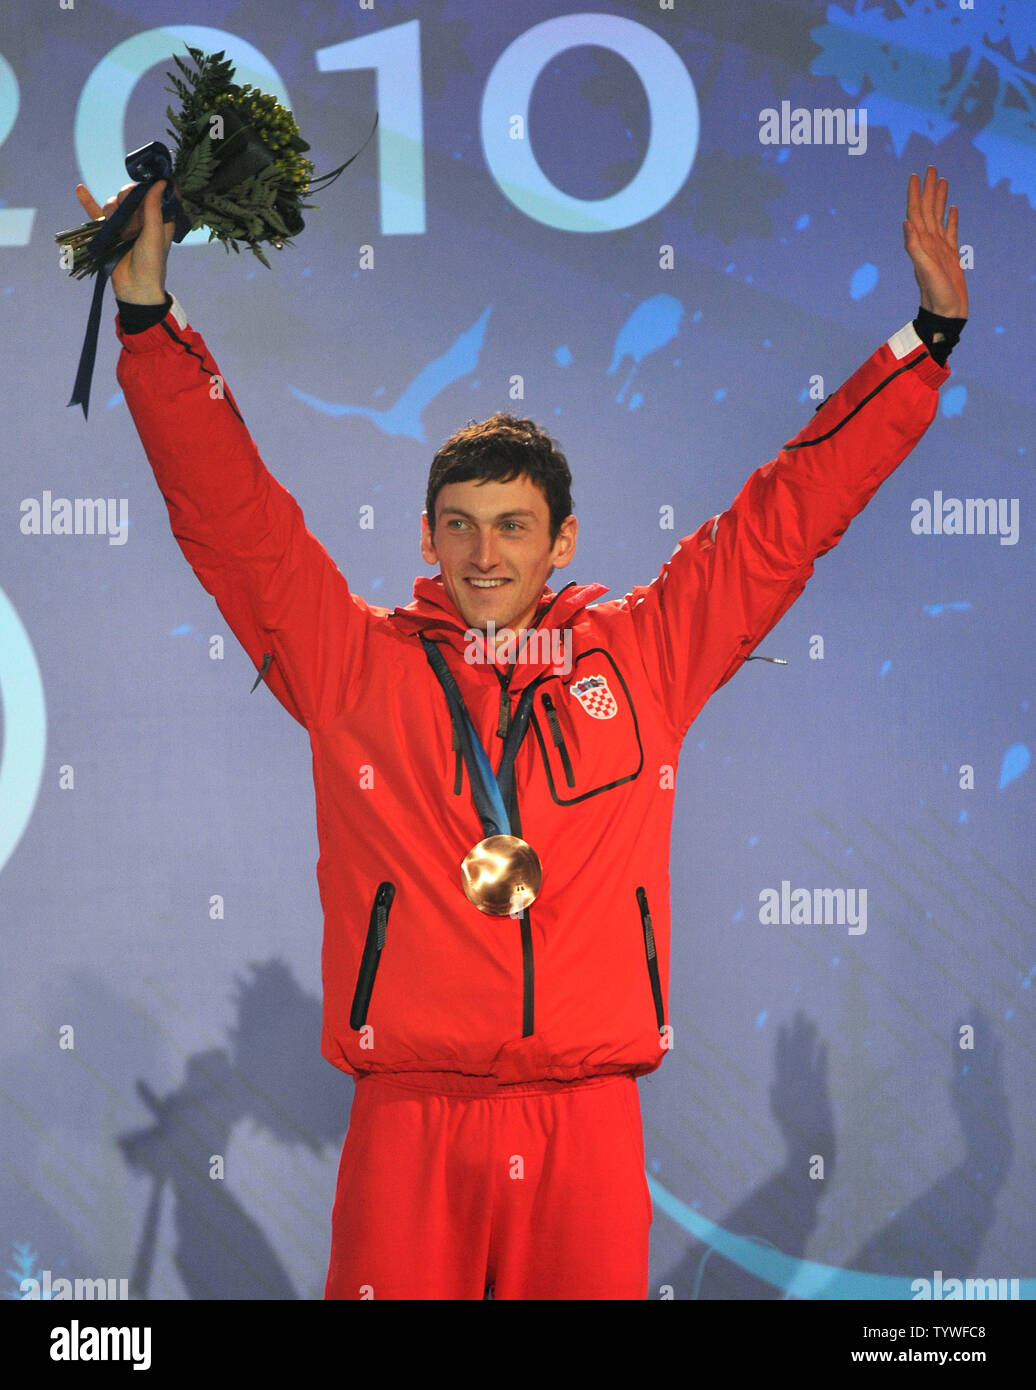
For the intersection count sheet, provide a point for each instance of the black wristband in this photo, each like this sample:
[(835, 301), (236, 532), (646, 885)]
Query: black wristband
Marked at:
[(940, 336), (135, 318)]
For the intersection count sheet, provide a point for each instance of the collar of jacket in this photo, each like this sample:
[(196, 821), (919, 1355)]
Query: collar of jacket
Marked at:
[(433, 613)]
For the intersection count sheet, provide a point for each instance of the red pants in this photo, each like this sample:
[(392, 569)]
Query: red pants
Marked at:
[(450, 1186)]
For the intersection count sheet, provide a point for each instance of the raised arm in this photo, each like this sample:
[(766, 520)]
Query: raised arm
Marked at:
[(730, 582), (240, 530)]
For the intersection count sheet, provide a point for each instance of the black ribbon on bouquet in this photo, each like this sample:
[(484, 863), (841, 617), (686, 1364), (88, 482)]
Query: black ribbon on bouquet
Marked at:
[(145, 167)]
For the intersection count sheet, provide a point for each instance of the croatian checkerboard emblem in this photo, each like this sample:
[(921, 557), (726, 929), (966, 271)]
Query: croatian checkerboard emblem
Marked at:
[(593, 694)]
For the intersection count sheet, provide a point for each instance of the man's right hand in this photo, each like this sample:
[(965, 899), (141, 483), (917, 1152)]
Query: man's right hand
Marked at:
[(139, 277)]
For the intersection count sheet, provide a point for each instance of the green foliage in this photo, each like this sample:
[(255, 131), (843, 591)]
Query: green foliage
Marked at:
[(247, 186), (239, 165)]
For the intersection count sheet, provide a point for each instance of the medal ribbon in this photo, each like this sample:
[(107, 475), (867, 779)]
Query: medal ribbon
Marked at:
[(491, 792)]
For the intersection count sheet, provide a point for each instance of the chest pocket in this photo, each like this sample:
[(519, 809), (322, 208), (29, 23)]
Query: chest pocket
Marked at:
[(586, 727)]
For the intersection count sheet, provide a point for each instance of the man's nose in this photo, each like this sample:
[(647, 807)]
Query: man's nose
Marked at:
[(486, 551)]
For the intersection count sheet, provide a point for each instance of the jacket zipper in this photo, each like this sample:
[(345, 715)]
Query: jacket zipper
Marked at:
[(652, 957), (503, 722), (372, 950), (559, 738), (524, 925), (528, 1015), (458, 764), (504, 717)]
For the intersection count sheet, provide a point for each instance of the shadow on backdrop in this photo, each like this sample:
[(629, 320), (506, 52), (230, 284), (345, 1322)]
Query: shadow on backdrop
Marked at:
[(782, 1211), (271, 1073), (946, 1226), (942, 1229)]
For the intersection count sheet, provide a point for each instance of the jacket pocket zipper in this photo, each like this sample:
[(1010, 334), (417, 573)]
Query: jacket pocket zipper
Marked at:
[(652, 957), (372, 949), (559, 740)]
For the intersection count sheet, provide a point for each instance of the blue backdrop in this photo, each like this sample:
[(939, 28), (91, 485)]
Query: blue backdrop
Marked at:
[(610, 220)]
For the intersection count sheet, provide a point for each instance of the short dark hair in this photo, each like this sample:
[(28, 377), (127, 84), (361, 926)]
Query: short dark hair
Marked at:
[(500, 450)]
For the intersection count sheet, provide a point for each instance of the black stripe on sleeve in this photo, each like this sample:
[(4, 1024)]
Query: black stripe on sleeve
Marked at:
[(209, 371), (908, 367)]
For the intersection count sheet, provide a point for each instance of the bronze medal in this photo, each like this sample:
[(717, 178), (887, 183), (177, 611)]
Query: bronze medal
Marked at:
[(501, 875)]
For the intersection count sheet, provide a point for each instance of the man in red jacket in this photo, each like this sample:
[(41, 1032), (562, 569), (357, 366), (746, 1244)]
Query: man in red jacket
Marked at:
[(495, 1140)]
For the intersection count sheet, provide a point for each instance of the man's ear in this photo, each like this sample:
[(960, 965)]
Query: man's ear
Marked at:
[(565, 545), (428, 552)]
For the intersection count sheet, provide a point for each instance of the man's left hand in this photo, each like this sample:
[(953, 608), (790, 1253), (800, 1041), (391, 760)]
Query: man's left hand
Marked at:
[(932, 246)]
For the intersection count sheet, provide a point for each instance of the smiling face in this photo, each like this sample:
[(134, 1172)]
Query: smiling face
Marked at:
[(492, 543)]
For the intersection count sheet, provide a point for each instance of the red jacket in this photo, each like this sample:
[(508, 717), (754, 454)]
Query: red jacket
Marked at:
[(415, 977)]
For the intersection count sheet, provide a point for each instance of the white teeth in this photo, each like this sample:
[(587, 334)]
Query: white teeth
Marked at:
[(486, 583)]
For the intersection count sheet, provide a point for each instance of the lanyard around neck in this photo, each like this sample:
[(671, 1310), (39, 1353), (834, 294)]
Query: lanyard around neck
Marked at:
[(491, 792)]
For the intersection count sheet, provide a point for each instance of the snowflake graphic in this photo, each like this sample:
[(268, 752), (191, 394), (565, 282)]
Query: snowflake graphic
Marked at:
[(927, 67), (25, 1259)]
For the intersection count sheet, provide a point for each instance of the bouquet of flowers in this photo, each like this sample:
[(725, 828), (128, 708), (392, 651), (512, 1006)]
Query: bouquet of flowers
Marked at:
[(238, 167)]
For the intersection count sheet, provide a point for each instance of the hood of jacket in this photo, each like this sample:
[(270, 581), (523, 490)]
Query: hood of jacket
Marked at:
[(433, 614)]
